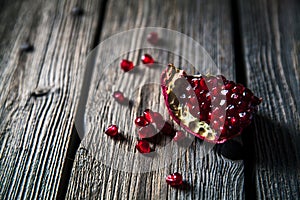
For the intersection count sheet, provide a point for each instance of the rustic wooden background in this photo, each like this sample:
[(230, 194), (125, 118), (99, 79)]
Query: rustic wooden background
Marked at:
[(255, 42)]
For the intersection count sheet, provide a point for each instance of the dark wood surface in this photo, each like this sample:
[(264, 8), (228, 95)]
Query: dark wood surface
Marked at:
[(254, 42), (270, 38), (36, 129)]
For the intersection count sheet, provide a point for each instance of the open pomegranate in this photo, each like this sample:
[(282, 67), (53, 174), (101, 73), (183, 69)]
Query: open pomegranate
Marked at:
[(210, 107)]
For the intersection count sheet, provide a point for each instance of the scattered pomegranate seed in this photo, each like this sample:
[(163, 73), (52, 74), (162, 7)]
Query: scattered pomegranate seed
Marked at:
[(148, 114), (147, 59), (174, 179), (126, 65), (158, 119), (141, 121), (119, 97), (143, 146), (179, 136), (112, 130), (147, 131), (152, 38)]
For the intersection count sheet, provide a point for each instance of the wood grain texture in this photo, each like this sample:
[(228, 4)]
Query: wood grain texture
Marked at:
[(270, 32), (211, 177), (39, 91)]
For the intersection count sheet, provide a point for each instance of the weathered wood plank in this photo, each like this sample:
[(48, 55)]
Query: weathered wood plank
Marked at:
[(270, 32), (212, 177), (35, 128)]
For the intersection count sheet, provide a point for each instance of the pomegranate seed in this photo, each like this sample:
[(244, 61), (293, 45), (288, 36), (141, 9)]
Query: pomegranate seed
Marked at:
[(154, 117), (119, 97), (247, 94), (143, 146), (243, 105), (141, 121), (239, 88), (203, 116), (179, 136), (152, 38), (158, 120), (174, 179), (147, 59), (126, 65), (229, 85), (194, 109), (215, 125), (147, 131), (245, 117), (112, 130), (230, 109), (148, 114), (233, 121)]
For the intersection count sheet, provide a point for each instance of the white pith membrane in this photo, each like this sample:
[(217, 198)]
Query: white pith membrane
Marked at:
[(201, 128)]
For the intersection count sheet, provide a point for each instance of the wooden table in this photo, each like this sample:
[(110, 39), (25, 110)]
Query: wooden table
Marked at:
[(255, 42)]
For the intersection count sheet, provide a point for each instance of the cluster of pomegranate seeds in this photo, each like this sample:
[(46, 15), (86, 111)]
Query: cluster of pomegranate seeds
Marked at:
[(197, 101), (112, 130), (152, 38), (150, 124), (126, 65), (147, 59), (146, 130), (174, 179), (143, 146)]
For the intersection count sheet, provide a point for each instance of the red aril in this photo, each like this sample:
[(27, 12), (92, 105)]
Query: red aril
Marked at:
[(148, 114), (147, 59), (126, 65), (152, 38), (143, 146), (112, 130), (141, 121), (174, 179), (158, 120), (147, 131), (119, 97)]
